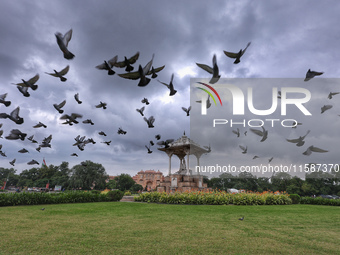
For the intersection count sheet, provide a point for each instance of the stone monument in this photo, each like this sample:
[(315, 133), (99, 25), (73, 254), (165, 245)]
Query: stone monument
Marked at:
[(184, 179)]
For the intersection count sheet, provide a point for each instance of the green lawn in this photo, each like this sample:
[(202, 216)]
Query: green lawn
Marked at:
[(140, 228)]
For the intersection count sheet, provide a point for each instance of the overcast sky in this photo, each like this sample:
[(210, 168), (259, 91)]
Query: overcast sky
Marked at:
[(287, 38)]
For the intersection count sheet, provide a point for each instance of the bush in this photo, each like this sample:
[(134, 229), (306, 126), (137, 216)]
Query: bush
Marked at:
[(319, 201), (115, 195), (127, 193), (28, 198), (214, 198), (95, 191), (295, 198)]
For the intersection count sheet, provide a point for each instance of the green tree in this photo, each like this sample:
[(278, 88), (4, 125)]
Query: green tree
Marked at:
[(295, 186), (87, 175), (111, 184), (8, 174), (136, 187), (263, 184), (281, 181), (124, 182)]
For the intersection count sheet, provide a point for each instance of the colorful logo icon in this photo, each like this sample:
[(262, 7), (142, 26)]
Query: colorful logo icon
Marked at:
[(209, 93)]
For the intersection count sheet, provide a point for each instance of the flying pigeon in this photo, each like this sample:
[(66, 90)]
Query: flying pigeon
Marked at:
[(170, 86), (12, 162), (30, 83), (145, 100), (208, 103), (154, 71), (187, 110), (263, 133), (270, 160), (76, 97), (46, 142), (212, 70), (31, 139), (141, 110), (121, 131), (279, 94), (311, 149), (23, 150), (150, 121), (299, 141), (3, 154), (40, 125), (88, 121), (32, 162), (14, 116), (148, 148), (311, 74), (151, 143), (237, 55), (61, 73), (71, 118), (16, 134), (80, 142), (74, 154), (63, 43), (331, 94), (295, 124), (101, 105), (107, 143), (3, 101), (244, 149), (255, 157), (158, 137), (90, 140), (101, 133), (325, 108), (208, 148), (107, 65), (24, 91), (59, 106), (127, 62), (237, 132), (166, 143), (142, 73)]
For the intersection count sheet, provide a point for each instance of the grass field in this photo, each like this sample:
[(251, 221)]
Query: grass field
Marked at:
[(141, 228)]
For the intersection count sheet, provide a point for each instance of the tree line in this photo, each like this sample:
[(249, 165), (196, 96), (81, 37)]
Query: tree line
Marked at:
[(316, 183), (86, 175), (89, 175)]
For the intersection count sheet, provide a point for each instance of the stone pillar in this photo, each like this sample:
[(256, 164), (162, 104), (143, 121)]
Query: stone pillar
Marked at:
[(169, 155), (198, 163), (188, 169)]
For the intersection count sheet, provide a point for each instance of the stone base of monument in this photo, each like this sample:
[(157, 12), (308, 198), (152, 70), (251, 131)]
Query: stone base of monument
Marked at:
[(182, 183)]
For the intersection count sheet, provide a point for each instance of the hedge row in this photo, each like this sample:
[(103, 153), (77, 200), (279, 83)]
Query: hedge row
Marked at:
[(32, 198), (319, 201), (215, 198)]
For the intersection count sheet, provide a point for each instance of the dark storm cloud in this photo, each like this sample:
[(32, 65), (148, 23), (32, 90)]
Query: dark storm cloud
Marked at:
[(287, 40)]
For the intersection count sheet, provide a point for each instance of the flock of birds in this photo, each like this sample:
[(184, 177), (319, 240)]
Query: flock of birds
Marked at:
[(144, 76), (263, 133)]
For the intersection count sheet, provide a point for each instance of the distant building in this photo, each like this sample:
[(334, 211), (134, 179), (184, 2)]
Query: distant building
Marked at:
[(110, 178), (149, 179)]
